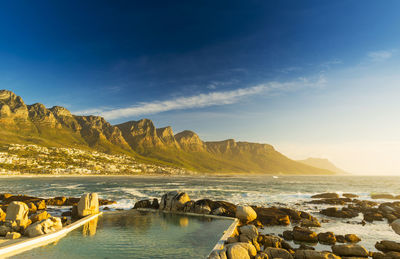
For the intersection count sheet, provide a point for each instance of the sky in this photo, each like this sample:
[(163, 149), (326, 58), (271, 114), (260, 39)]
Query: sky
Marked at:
[(313, 78)]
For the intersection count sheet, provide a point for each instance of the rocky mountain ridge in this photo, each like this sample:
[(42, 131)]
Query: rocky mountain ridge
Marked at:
[(37, 124)]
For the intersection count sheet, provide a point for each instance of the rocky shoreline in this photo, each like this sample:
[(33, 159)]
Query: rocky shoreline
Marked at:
[(249, 240), (22, 215)]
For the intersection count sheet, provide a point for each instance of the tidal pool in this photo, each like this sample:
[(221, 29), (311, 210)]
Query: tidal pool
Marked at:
[(137, 234)]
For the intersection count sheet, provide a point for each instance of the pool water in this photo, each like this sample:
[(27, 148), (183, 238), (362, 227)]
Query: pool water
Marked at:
[(137, 234)]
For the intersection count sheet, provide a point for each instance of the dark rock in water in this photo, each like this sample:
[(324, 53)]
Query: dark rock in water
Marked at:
[(343, 213), (143, 204), (271, 241), (40, 205), (230, 208), (314, 223), (288, 235), (304, 235), (382, 196), (372, 216), (350, 250), (327, 238), (392, 255), (56, 201), (325, 196), (155, 204), (286, 245), (352, 238), (331, 201), (388, 246), (340, 239), (67, 213), (350, 195)]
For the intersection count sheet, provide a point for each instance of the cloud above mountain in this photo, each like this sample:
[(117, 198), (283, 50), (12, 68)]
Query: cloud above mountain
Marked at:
[(202, 100)]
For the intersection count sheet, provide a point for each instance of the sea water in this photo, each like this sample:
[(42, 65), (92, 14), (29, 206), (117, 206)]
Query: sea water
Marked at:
[(290, 191)]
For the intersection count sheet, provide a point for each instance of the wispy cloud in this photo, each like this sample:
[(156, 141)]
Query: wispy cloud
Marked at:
[(380, 55), (216, 98)]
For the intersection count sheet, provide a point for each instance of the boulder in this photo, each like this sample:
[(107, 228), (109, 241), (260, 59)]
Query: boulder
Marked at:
[(261, 255), (249, 230), (325, 196), (245, 214), (240, 250), (201, 208), (142, 204), (272, 241), (88, 205), (56, 201), (32, 208), (382, 196), (2, 215), (396, 226), (288, 235), (350, 250), (4, 229), (371, 216), (304, 235), (272, 216), (40, 216), (352, 238), (12, 235), (342, 213), (388, 246), (340, 239), (42, 227), (327, 238), (310, 223), (17, 212), (311, 254), (174, 201), (41, 205), (277, 253), (219, 211)]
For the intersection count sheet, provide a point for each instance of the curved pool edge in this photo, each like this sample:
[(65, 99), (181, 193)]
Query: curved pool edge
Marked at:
[(30, 243)]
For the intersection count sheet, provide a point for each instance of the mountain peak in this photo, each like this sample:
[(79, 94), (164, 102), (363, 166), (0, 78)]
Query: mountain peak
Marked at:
[(322, 163)]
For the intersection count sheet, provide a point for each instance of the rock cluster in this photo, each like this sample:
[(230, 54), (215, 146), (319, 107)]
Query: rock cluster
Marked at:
[(27, 216)]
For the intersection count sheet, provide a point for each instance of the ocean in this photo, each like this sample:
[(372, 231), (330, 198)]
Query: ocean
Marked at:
[(290, 191)]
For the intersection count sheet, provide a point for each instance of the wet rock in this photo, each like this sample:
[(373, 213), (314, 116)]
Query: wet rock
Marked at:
[(310, 223), (288, 235), (350, 250), (261, 255), (350, 195), (245, 213), (327, 238), (340, 239), (143, 204), (388, 246), (88, 205), (45, 226), (372, 216), (382, 196), (392, 255), (201, 208), (332, 201), (155, 205), (305, 247), (231, 240), (56, 201), (5, 196), (342, 213), (325, 196), (352, 238), (40, 216), (395, 226), (304, 235), (311, 254), (240, 250), (277, 253), (12, 235)]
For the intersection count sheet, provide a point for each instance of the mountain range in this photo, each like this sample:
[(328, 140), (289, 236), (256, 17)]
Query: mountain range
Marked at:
[(322, 163), (56, 126)]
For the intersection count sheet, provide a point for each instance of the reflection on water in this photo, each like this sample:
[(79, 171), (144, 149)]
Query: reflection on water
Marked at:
[(89, 229)]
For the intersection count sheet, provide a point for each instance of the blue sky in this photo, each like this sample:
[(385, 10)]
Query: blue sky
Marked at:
[(313, 78)]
